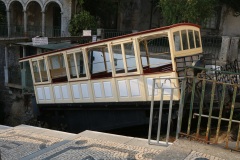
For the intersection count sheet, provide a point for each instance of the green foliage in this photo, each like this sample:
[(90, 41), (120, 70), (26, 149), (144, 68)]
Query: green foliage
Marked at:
[(82, 20), (194, 11), (104, 10)]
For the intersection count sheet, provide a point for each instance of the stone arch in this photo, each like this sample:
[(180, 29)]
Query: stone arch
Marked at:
[(30, 1), (52, 1), (34, 18), (3, 20), (53, 20), (12, 1), (4, 3)]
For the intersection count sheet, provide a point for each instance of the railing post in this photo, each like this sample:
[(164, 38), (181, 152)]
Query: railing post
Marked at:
[(151, 112), (181, 105)]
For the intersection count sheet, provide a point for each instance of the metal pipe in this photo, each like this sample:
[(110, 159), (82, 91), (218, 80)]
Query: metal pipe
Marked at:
[(169, 116), (231, 114), (191, 106), (220, 112), (151, 112), (181, 105), (213, 117), (201, 107), (160, 115), (210, 111)]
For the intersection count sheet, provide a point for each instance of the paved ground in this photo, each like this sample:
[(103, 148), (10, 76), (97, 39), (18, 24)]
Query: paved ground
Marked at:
[(27, 142)]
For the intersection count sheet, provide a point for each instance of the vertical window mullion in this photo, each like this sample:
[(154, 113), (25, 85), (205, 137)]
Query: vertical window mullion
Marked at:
[(39, 71), (124, 58), (194, 39), (75, 63)]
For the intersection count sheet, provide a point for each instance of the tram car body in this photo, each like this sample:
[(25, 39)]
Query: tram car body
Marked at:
[(107, 84)]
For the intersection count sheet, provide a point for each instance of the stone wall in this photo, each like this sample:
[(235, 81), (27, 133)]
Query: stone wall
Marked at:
[(13, 111), (136, 15)]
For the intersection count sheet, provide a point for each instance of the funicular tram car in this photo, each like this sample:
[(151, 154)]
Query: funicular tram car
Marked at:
[(107, 84)]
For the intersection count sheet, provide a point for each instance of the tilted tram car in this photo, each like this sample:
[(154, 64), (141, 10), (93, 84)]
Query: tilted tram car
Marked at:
[(107, 84)]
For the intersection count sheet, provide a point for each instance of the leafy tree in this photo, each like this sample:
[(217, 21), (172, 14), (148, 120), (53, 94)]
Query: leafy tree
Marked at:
[(82, 20), (194, 11)]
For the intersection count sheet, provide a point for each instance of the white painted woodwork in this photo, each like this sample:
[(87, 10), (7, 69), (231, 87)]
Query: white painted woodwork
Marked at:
[(57, 92), (134, 86), (122, 88), (65, 92), (107, 89), (47, 93), (97, 90), (76, 91), (150, 87), (85, 92), (40, 94)]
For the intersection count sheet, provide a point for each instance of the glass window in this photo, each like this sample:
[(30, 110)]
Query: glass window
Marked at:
[(177, 41), (80, 64), (99, 62), (43, 70), (197, 39), (36, 71), (184, 39), (71, 66), (118, 58), (57, 68), (191, 39), (130, 57), (155, 54), (40, 71)]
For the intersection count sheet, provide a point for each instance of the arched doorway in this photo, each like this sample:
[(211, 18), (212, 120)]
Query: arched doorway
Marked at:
[(16, 19), (34, 19), (53, 20), (3, 20)]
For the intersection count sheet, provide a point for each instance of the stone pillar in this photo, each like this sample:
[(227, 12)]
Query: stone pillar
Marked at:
[(62, 31), (23, 70), (43, 23), (224, 50), (8, 23), (233, 50), (6, 66), (25, 22)]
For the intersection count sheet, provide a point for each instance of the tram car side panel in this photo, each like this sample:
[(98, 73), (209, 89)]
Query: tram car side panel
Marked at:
[(120, 69)]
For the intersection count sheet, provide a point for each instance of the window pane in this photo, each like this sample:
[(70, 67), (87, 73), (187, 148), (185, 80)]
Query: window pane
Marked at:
[(191, 39), (80, 64), (144, 54), (36, 71), (98, 61), (197, 39), (184, 39), (155, 54), (43, 70), (177, 41), (71, 65), (57, 69), (118, 58), (130, 57)]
